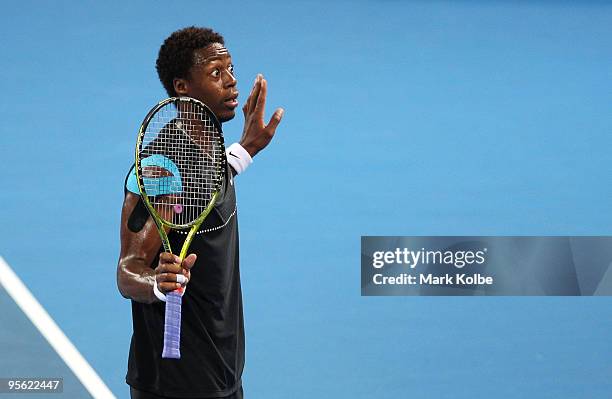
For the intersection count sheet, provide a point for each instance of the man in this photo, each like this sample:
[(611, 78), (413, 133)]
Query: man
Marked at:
[(192, 62)]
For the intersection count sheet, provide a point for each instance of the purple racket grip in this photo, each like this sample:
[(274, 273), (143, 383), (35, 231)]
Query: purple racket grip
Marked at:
[(172, 326)]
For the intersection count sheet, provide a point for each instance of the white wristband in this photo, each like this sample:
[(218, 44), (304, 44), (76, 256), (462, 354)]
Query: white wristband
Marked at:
[(161, 296), (158, 293), (238, 158)]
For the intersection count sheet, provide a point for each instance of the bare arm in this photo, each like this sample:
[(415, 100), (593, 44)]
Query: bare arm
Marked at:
[(135, 278)]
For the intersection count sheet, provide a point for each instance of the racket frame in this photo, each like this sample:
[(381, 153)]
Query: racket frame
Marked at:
[(159, 221), (174, 299)]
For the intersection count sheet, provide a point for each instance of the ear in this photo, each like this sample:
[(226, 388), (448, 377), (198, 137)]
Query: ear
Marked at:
[(180, 86)]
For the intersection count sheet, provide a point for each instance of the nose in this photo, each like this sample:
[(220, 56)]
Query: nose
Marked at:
[(230, 79)]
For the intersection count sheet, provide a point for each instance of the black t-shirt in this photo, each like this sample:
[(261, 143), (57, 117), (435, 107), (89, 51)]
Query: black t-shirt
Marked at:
[(212, 330)]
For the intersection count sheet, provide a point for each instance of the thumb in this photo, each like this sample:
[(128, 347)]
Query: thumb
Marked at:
[(276, 118), (189, 261)]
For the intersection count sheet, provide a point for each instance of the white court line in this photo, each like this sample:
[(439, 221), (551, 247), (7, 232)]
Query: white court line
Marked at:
[(54, 335)]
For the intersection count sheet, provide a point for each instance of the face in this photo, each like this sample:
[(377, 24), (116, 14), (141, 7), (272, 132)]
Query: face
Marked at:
[(211, 80)]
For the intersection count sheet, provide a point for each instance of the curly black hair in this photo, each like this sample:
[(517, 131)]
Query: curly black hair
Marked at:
[(175, 56)]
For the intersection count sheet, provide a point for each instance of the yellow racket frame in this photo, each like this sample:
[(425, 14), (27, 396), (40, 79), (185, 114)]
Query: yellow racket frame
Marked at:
[(159, 221)]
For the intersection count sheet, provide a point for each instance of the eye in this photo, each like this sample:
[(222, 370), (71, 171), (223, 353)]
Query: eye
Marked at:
[(216, 73), (231, 68)]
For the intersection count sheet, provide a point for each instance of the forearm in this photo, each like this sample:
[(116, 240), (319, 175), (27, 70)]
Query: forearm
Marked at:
[(139, 247), (135, 280)]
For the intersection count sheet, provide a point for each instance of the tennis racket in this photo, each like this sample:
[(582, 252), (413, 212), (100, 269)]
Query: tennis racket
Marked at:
[(180, 165)]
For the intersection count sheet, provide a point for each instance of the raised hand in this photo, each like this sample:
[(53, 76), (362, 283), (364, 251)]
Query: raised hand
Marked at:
[(256, 134)]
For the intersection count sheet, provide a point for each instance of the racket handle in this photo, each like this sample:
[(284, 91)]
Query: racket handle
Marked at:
[(172, 326)]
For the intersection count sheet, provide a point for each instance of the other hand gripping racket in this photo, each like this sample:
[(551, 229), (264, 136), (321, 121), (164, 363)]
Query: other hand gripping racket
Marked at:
[(180, 164)]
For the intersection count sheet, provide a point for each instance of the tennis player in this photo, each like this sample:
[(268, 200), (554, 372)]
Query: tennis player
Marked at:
[(192, 62)]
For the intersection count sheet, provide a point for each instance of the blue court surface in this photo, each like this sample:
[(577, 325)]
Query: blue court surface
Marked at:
[(402, 118)]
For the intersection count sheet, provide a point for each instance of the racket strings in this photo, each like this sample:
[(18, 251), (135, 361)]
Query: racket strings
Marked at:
[(182, 161)]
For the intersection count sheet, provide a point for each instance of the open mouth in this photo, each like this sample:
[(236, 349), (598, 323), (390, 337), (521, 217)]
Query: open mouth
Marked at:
[(232, 101)]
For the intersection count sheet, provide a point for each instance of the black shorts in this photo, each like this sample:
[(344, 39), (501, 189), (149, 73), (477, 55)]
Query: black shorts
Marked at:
[(136, 394)]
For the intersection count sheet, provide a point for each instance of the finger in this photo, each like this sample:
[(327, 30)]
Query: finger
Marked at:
[(256, 92), (261, 99), (246, 106), (181, 279), (170, 278), (169, 268), (189, 261), (167, 287), (248, 103), (275, 120), (167, 257)]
